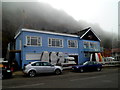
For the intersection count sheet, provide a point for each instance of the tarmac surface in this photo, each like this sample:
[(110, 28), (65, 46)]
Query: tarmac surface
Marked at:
[(107, 78)]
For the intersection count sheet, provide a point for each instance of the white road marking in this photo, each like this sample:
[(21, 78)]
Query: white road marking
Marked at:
[(27, 85), (86, 78)]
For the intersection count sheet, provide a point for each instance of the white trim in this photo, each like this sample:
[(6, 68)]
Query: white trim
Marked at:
[(17, 34), (87, 32), (47, 32), (72, 54)]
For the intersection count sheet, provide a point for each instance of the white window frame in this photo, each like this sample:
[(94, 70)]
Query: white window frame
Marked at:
[(37, 37), (50, 43), (76, 44)]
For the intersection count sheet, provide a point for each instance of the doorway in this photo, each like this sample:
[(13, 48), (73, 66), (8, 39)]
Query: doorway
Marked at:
[(76, 58)]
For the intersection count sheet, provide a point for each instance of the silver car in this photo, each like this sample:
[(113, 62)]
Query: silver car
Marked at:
[(38, 67)]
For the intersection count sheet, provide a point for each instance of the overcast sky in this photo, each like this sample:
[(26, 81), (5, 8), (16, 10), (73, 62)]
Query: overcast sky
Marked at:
[(103, 12)]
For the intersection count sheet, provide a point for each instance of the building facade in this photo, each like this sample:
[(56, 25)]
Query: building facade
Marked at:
[(116, 53), (55, 47)]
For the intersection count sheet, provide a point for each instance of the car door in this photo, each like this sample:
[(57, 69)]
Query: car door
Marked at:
[(48, 67), (93, 65), (37, 66), (86, 66), (89, 66)]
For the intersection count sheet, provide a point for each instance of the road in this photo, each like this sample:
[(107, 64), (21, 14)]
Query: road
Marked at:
[(107, 78)]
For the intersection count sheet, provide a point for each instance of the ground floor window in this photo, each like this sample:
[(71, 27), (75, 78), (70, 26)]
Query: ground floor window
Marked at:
[(33, 56), (87, 54)]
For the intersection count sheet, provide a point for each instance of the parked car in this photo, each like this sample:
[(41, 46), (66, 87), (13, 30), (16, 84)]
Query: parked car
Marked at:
[(5, 70), (87, 66), (38, 67)]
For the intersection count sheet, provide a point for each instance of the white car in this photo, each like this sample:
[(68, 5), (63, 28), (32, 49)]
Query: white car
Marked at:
[(38, 67)]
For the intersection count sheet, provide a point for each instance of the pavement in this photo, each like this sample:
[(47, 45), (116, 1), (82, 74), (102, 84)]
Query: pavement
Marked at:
[(18, 73)]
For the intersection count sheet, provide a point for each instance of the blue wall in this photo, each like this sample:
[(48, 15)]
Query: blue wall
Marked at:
[(82, 55), (38, 49)]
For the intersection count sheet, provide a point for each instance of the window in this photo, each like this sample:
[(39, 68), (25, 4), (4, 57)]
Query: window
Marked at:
[(95, 46), (72, 43), (86, 44), (46, 64), (87, 54), (33, 41), (37, 64), (92, 45), (53, 42), (90, 63)]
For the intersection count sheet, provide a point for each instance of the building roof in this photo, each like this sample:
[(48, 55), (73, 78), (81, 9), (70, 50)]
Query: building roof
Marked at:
[(84, 32), (80, 34), (47, 32)]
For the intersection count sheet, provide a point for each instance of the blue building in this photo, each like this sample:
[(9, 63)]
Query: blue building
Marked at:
[(55, 47)]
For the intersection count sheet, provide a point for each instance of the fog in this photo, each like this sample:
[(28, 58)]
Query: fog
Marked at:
[(42, 16)]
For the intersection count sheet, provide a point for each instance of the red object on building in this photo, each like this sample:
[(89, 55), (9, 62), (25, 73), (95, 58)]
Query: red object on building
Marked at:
[(100, 57), (106, 53)]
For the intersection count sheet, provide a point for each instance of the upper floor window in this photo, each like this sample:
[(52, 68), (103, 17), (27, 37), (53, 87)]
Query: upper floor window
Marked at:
[(54, 42), (90, 45), (93, 45), (72, 43), (33, 41), (86, 44)]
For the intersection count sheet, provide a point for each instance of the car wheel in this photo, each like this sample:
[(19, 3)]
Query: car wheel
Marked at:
[(32, 73), (57, 71), (81, 70), (98, 69)]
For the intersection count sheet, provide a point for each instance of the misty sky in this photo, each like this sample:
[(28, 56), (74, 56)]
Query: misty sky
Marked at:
[(103, 12)]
